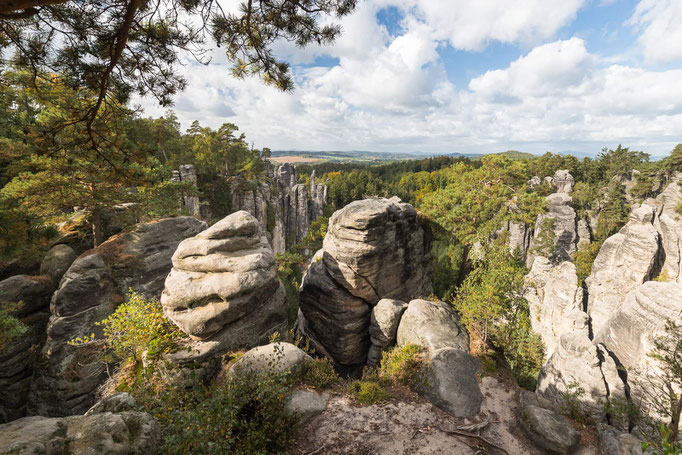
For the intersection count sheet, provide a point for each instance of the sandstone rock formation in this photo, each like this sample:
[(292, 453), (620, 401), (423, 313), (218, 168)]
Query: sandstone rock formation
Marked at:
[(16, 368), (549, 431), (306, 404), (625, 261), (630, 332), (577, 363), (555, 300), (448, 378), (559, 210), (383, 327), (57, 261), (274, 357), (187, 173), (92, 288), (223, 289), (373, 249), (283, 207), (433, 325), (127, 433)]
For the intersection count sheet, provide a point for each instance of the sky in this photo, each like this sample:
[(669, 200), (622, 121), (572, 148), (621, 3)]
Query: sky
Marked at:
[(457, 76)]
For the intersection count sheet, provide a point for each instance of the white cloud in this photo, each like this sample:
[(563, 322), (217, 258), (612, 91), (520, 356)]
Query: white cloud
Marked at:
[(392, 93), (661, 34)]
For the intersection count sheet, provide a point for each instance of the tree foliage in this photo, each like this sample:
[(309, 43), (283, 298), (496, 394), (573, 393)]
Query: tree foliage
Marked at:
[(121, 47)]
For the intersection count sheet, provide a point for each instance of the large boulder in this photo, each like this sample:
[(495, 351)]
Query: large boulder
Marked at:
[(127, 433), (625, 261), (92, 288), (57, 261), (306, 404), (432, 325), (549, 431), (555, 300), (383, 327), (449, 381), (374, 249), (223, 289), (16, 360), (276, 358)]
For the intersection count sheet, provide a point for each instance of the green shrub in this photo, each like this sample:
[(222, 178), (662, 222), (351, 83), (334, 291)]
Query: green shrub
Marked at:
[(137, 325), (584, 258), (402, 364), (368, 391), (570, 402), (666, 446), (243, 416), (11, 328), (320, 374)]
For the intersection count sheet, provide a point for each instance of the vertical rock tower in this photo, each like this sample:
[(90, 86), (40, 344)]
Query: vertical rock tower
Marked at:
[(374, 249)]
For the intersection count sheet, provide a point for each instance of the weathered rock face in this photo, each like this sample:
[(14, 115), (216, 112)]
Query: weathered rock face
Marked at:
[(555, 300), (273, 357), (563, 181), (625, 261), (138, 259), (669, 224), (187, 173), (127, 433), (578, 363), (223, 288), (432, 325), (16, 369), (57, 261), (565, 231), (383, 327), (373, 249), (630, 333), (550, 431), (448, 378)]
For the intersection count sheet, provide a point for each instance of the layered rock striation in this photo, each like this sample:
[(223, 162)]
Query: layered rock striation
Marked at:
[(94, 285), (223, 289), (374, 249)]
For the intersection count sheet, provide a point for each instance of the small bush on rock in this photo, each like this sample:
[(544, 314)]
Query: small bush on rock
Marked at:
[(138, 325), (11, 328)]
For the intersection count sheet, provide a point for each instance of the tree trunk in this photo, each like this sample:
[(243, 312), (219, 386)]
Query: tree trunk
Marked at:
[(675, 421), (97, 233), (464, 266)]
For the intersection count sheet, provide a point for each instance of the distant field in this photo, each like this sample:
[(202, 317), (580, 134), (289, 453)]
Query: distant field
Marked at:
[(294, 159)]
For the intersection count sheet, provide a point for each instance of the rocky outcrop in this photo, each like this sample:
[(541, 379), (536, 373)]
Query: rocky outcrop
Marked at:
[(57, 261), (192, 204), (551, 432), (578, 364), (223, 289), (555, 300), (374, 249), (563, 219), (383, 327), (272, 358), (126, 433), (432, 325), (630, 332), (94, 285), (448, 377), (16, 361), (625, 261), (563, 181), (449, 380)]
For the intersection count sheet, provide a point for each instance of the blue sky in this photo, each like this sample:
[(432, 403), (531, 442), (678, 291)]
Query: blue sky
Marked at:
[(443, 76)]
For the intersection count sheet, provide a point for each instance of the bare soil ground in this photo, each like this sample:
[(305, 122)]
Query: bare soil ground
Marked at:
[(410, 425)]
